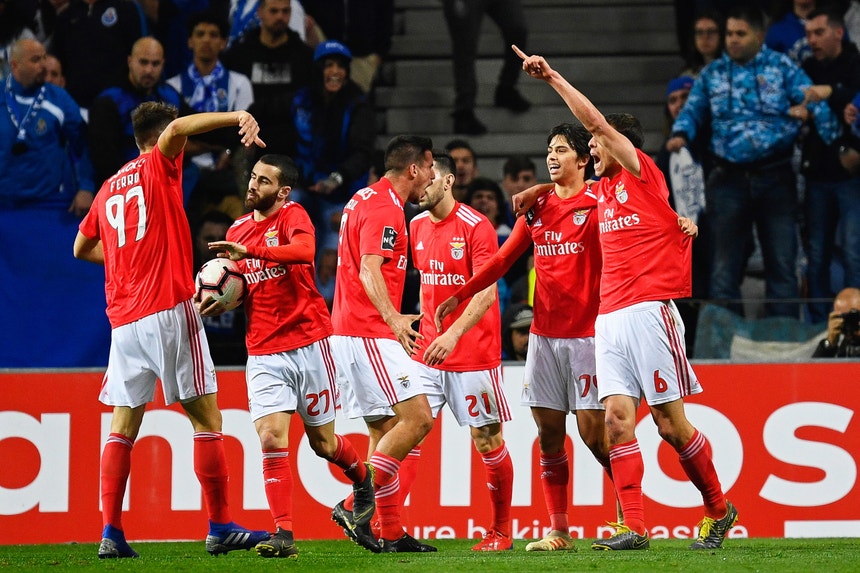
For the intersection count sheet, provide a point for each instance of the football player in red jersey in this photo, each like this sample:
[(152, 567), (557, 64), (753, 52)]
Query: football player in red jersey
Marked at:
[(646, 263), (137, 228), (290, 366), (560, 374)]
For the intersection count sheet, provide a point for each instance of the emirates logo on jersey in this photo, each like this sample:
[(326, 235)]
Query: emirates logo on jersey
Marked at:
[(271, 238), (457, 251), (579, 216), (621, 193)]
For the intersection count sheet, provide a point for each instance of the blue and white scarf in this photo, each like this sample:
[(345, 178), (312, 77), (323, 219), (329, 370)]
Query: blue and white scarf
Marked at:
[(209, 92)]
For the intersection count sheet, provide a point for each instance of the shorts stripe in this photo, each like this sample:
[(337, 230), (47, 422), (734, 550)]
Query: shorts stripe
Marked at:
[(328, 359), (378, 366), (196, 351), (501, 399), (681, 373)]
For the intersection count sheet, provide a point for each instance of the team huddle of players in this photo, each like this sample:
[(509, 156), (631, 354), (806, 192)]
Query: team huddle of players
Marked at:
[(368, 353)]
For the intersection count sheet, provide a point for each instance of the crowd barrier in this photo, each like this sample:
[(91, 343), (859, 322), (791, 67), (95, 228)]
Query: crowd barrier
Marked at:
[(785, 438)]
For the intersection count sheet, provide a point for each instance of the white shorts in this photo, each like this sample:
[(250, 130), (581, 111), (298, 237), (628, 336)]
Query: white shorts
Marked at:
[(169, 345), (476, 398), (300, 380), (560, 374), (640, 352), (373, 374)]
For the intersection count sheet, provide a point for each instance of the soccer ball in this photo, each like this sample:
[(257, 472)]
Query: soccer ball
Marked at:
[(221, 279)]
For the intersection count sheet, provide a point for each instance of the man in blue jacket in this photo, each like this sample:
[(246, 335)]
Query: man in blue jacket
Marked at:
[(755, 102), (38, 121)]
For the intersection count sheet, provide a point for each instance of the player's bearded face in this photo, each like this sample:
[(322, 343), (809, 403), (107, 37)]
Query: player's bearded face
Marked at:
[(263, 188)]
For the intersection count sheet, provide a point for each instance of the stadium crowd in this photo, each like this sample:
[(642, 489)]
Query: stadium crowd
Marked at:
[(308, 71)]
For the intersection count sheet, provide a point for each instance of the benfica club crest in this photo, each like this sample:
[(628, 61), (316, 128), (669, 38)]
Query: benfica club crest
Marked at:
[(457, 250), (271, 238), (621, 193), (579, 216)]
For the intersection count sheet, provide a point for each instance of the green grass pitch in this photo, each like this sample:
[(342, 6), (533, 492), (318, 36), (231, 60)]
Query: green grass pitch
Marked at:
[(738, 555)]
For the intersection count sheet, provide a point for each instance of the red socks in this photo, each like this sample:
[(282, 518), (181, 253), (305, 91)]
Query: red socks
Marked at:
[(697, 460), (627, 472), (387, 487), (554, 478), (115, 466), (500, 482), (210, 465), (278, 480)]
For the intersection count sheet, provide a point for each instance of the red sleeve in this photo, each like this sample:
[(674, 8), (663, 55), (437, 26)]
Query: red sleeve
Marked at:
[(516, 244), (299, 251)]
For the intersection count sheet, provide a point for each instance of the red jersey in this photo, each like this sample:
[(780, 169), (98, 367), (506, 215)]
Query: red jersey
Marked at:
[(448, 253), (284, 308), (139, 217), (567, 264), (373, 223), (646, 256)]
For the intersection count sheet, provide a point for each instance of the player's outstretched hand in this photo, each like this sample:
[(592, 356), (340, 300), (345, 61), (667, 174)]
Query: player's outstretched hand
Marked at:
[(535, 66), (401, 326), (688, 226), (229, 250), (447, 307), (249, 130)]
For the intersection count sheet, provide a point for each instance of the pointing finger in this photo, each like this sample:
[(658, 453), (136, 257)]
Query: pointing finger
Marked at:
[(519, 52)]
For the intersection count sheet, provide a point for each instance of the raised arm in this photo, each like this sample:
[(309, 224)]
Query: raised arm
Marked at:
[(172, 140), (614, 142)]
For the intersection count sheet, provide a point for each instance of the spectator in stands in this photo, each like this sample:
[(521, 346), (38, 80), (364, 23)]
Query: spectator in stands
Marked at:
[(852, 22), (686, 183), (787, 31), (273, 56), (111, 132), (243, 19), (843, 327), (92, 38), (832, 193), (207, 85), (225, 332), (464, 26), (707, 43), (516, 322), (518, 174), (751, 145), (334, 133), (485, 196), (466, 163), (17, 22), (278, 64), (363, 26), (39, 120), (41, 199)]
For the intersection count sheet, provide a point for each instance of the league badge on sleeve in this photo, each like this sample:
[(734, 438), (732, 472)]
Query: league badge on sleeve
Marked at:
[(389, 237)]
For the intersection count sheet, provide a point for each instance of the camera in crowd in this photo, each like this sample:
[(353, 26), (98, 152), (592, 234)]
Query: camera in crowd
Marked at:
[(851, 324)]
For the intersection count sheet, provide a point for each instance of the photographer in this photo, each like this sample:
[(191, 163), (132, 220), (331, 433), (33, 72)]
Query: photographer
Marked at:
[(843, 327)]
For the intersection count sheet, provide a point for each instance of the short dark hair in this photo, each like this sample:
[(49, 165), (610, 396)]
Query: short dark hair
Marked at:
[(207, 17), (444, 162), (628, 126), (404, 150), (461, 144), (149, 119), (575, 134), (288, 173), (486, 184), (834, 18), (517, 163), (752, 15)]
